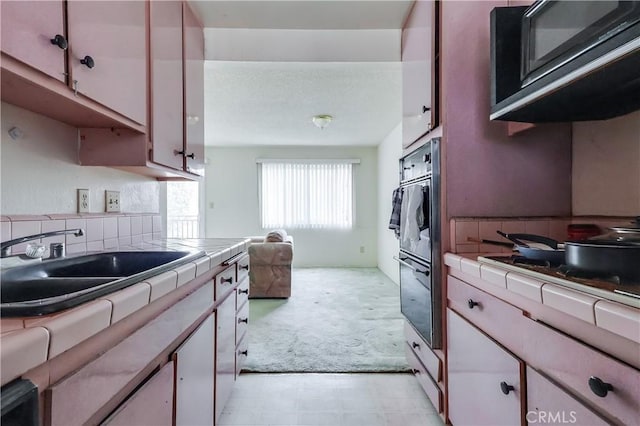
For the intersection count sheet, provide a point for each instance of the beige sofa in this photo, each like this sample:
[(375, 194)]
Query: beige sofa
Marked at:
[(270, 268)]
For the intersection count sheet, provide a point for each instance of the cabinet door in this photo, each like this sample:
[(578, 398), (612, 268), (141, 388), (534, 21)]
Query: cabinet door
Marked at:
[(547, 403), (156, 393), (166, 83), (478, 370), (27, 30), (419, 72), (225, 351), (195, 376), (113, 35), (193, 92)]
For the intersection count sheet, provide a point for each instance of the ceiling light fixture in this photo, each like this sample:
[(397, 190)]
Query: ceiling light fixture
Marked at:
[(322, 120)]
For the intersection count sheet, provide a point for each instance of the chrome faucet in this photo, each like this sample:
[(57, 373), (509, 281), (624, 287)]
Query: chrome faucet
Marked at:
[(4, 247)]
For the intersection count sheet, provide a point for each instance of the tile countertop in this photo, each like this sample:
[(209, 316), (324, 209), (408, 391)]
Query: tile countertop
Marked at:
[(621, 317), (30, 341)]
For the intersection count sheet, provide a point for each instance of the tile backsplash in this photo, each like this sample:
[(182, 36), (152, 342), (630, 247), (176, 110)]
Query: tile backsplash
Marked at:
[(101, 231), (467, 233)]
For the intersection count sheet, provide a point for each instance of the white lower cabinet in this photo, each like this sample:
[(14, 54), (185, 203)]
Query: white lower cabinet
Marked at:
[(157, 392), (195, 371), (549, 403), (225, 352), (484, 378)]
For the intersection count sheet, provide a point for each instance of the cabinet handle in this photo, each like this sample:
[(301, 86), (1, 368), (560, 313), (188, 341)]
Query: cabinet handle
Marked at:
[(226, 280), (243, 291), (245, 267), (60, 41), (88, 61), (184, 154), (599, 387), (505, 388), (415, 345), (245, 353), (425, 109), (471, 303), (243, 320)]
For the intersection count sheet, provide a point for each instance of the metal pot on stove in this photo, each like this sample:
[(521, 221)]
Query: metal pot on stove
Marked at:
[(615, 253)]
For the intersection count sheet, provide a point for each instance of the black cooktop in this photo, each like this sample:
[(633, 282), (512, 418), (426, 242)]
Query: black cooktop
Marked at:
[(605, 282)]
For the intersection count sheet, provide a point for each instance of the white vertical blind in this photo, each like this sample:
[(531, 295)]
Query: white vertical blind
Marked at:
[(307, 195)]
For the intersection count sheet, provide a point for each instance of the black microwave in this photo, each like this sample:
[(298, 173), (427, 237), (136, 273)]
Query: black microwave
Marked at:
[(565, 60), (555, 32)]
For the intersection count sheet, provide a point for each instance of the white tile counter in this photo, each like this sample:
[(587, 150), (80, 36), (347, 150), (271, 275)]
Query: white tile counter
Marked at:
[(28, 342), (620, 316)]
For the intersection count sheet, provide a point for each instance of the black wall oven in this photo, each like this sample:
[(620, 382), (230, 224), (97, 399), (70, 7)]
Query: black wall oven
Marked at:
[(419, 257)]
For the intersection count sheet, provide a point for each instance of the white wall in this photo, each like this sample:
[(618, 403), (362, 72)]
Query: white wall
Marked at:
[(232, 203), (606, 167), (389, 151), (40, 171)]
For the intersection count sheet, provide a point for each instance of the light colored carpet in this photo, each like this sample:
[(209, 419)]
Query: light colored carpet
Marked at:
[(338, 320)]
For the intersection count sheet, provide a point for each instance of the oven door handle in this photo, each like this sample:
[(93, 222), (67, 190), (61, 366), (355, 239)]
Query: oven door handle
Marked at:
[(413, 268)]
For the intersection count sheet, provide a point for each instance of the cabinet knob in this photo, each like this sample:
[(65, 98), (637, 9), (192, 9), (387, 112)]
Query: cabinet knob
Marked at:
[(415, 371), (245, 353), (246, 291), (88, 62), (415, 345), (226, 280), (192, 156), (245, 267), (60, 41), (471, 303), (425, 109), (243, 320), (505, 388), (599, 387)]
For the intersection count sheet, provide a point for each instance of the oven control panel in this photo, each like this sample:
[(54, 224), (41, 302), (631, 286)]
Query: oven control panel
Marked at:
[(417, 164)]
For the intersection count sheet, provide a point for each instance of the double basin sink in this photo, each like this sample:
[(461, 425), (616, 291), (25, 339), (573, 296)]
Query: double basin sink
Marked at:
[(53, 285)]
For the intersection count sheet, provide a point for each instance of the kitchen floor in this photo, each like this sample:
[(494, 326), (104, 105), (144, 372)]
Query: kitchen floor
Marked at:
[(329, 399)]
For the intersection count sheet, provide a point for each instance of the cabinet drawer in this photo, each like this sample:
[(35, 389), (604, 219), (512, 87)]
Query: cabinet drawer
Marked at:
[(547, 401), (225, 281), (486, 311), (484, 379), (422, 351), (578, 367), (430, 388), (243, 293), (242, 352), (242, 322), (243, 268)]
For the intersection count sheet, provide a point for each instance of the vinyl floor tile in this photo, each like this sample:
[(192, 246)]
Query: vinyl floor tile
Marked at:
[(328, 400)]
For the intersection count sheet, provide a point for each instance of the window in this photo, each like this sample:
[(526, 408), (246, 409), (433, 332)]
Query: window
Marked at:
[(316, 194), (182, 210)]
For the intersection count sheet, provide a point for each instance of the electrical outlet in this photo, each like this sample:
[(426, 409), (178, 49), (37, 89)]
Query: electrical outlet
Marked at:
[(83, 201), (112, 201)]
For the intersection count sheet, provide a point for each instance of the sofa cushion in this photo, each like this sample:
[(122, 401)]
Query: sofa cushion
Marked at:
[(276, 236)]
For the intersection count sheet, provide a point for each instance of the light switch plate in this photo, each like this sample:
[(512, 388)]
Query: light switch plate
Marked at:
[(83, 201), (112, 201)]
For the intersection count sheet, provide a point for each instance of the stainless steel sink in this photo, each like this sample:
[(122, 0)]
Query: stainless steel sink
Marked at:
[(54, 285)]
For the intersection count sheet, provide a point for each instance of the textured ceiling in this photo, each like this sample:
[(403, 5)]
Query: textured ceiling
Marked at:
[(272, 65), (250, 103), (303, 14)]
